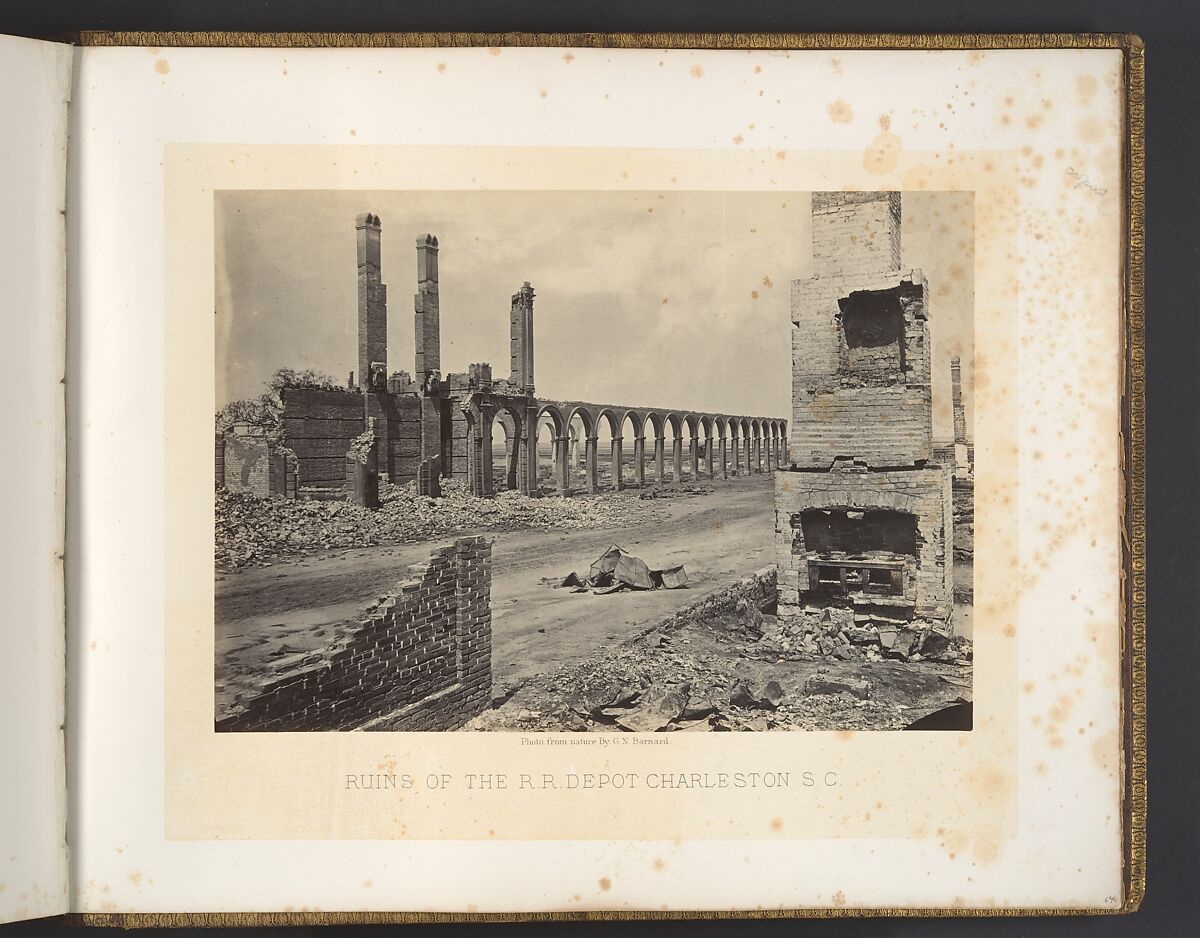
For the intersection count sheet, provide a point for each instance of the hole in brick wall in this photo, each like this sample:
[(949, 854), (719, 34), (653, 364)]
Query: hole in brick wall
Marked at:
[(881, 578), (856, 533), (830, 575), (872, 327), (871, 324)]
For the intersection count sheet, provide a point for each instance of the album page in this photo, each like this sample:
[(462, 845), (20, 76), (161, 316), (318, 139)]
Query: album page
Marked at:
[(741, 532), (36, 77)]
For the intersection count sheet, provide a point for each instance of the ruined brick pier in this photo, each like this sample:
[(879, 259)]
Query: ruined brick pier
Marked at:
[(863, 515)]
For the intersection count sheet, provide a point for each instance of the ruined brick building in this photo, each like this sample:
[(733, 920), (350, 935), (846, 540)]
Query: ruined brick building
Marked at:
[(429, 426), (863, 514)]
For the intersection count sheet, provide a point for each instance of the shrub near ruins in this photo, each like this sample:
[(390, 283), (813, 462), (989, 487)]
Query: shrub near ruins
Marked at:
[(266, 410)]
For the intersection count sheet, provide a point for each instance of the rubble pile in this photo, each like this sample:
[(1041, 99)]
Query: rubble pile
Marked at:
[(675, 490), (251, 529), (676, 681), (362, 446), (847, 633)]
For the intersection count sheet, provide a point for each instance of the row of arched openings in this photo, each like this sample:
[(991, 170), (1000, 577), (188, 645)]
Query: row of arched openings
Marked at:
[(673, 447)]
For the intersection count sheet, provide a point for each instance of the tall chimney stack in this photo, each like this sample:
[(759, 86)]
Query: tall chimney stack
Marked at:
[(960, 417), (855, 234), (427, 311), (521, 332), (372, 305)]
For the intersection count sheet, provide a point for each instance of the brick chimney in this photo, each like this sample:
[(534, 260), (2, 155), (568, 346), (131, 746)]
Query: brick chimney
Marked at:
[(855, 234), (427, 310), (372, 302), (860, 345), (521, 332), (960, 416)]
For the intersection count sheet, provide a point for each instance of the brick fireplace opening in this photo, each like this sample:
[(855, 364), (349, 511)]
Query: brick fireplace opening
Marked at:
[(877, 533)]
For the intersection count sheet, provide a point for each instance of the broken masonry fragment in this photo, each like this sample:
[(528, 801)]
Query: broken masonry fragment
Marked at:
[(766, 697), (671, 578), (658, 706)]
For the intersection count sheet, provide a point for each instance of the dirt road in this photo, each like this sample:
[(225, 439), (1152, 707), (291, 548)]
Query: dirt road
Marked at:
[(718, 536)]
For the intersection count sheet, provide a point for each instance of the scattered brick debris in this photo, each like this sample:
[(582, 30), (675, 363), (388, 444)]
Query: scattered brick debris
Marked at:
[(253, 530), (712, 672)]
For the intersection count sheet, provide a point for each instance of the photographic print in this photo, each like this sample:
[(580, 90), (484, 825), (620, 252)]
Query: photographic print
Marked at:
[(626, 461)]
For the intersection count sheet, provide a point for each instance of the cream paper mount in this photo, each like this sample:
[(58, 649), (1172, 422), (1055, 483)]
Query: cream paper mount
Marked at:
[(225, 786)]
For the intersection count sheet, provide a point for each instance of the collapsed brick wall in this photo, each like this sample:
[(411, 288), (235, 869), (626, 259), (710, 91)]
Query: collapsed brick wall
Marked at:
[(245, 461), (246, 464), (419, 660)]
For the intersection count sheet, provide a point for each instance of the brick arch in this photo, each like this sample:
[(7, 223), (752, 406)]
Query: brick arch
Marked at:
[(616, 424), (585, 415), (636, 420), (614, 420), (480, 428), (707, 463), (558, 430), (511, 423), (555, 415), (515, 413), (855, 500)]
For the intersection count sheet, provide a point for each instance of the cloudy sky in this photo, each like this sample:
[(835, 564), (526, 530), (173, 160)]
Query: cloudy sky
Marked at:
[(672, 299)]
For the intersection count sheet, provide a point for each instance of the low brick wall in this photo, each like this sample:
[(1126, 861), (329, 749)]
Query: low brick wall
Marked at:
[(759, 588), (419, 660)]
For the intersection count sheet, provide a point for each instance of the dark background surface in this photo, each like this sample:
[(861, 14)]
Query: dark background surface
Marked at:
[(1172, 35)]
